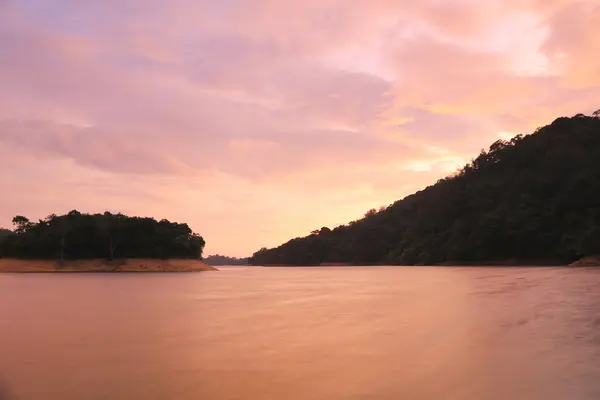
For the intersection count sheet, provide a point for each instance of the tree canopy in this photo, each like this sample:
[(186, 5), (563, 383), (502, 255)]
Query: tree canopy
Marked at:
[(218, 259), (84, 236), (532, 198)]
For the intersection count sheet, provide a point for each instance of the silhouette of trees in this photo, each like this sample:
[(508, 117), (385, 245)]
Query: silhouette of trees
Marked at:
[(532, 198), (79, 236), (218, 259), (21, 224), (3, 234)]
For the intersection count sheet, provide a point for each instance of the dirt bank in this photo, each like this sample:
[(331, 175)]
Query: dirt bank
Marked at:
[(130, 265), (587, 262)]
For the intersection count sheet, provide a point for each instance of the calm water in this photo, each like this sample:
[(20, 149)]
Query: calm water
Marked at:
[(303, 333)]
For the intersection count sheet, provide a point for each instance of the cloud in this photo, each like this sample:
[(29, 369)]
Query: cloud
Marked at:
[(89, 147), (269, 103), (574, 42), (182, 120)]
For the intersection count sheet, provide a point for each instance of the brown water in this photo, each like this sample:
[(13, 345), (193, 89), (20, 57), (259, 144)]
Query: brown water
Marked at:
[(303, 333)]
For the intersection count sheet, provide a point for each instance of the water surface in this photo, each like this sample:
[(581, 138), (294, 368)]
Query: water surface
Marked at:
[(303, 333)]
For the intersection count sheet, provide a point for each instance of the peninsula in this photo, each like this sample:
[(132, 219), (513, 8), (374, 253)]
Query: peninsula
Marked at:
[(79, 242)]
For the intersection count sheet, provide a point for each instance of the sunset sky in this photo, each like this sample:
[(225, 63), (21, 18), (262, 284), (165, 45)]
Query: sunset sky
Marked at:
[(256, 121)]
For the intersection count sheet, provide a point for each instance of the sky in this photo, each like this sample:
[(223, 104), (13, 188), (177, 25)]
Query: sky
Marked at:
[(256, 121)]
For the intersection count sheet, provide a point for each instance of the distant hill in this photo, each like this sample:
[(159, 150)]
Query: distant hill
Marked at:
[(534, 199), (218, 259)]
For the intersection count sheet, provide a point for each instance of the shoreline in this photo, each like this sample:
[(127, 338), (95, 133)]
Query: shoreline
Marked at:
[(131, 265), (515, 264), (586, 261), (432, 265)]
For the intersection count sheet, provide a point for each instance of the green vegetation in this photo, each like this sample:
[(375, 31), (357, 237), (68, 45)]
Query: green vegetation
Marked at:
[(90, 236), (533, 199), (218, 259)]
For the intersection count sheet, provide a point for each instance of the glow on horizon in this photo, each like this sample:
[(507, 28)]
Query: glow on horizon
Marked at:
[(256, 121)]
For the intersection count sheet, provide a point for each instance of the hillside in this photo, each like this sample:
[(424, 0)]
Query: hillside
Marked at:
[(218, 259), (533, 199)]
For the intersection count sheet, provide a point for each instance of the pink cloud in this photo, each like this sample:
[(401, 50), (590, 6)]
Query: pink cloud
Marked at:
[(313, 103), (574, 42)]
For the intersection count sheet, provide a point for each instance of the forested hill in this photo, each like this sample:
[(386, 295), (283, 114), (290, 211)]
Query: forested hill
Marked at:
[(535, 198), (218, 259), (109, 236)]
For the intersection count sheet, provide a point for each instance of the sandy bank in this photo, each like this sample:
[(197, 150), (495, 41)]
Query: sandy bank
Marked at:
[(587, 262), (130, 265)]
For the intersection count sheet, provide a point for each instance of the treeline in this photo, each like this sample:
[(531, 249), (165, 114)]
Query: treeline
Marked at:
[(218, 259), (110, 236), (534, 198)]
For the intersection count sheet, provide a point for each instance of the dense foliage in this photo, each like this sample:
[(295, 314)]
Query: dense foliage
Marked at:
[(218, 259), (535, 198), (80, 236)]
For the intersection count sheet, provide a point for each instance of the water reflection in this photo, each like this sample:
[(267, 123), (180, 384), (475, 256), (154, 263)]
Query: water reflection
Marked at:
[(4, 392), (304, 333)]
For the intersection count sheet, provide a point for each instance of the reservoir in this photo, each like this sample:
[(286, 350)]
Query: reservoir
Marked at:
[(303, 333)]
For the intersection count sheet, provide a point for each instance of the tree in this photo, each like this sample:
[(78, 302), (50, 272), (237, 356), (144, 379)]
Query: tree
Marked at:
[(4, 233), (63, 225), (534, 197), (21, 223), (78, 235), (109, 226), (371, 212), (197, 245), (596, 113), (323, 231)]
